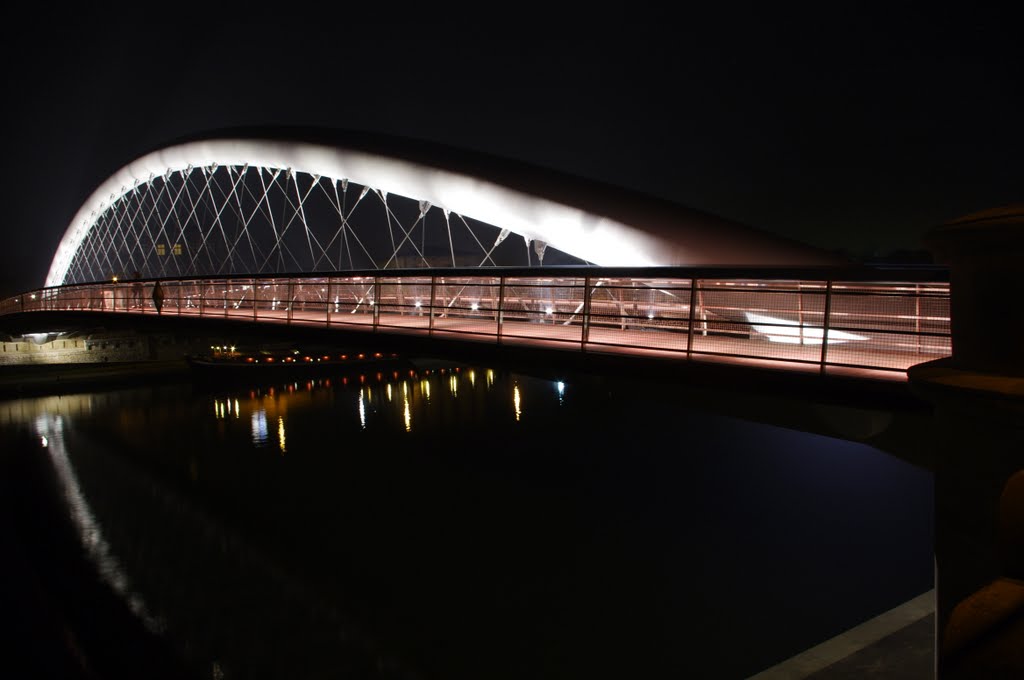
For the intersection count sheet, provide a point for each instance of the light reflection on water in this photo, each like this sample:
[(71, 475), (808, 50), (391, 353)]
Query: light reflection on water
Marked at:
[(576, 530), (50, 430)]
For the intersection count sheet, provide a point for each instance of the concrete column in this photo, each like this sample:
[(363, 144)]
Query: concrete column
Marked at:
[(978, 446)]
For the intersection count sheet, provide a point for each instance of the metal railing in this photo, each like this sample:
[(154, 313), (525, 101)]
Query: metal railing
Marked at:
[(826, 320)]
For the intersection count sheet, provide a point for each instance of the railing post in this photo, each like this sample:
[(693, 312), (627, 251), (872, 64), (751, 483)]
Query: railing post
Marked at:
[(375, 303), (501, 307), (917, 316), (227, 285), (255, 314), (689, 323), (430, 306), (202, 296), (585, 332), (291, 298), (329, 303), (825, 324)]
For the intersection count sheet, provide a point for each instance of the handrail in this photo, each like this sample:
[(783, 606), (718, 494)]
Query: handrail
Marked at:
[(836, 319)]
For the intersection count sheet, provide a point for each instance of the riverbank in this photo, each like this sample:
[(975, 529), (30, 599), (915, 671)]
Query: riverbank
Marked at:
[(38, 380)]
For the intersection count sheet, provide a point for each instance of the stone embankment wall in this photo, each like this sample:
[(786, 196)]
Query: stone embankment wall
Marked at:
[(97, 349)]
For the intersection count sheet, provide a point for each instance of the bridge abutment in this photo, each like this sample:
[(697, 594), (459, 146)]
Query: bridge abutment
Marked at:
[(978, 394)]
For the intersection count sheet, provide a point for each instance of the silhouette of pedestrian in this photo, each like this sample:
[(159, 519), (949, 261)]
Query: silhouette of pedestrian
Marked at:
[(137, 290), (158, 297)]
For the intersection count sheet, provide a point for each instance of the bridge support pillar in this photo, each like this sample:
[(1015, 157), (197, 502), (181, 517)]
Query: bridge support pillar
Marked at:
[(978, 447)]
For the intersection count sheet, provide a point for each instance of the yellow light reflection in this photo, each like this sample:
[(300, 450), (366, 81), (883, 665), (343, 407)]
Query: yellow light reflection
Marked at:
[(280, 433), (516, 400), (389, 391), (238, 412), (408, 416), (490, 378), (425, 387), (472, 378), (453, 385)]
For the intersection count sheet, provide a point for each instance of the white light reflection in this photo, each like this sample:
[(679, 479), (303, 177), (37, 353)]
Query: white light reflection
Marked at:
[(362, 411), (259, 427), (389, 391), (516, 400), (560, 386), (280, 434), (238, 412), (408, 415), (796, 334), (50, 428)]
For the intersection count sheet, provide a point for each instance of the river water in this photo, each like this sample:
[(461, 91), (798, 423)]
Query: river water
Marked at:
[(475, 523)]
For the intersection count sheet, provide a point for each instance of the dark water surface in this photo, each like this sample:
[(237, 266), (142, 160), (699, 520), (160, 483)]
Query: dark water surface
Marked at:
[(476, 524)]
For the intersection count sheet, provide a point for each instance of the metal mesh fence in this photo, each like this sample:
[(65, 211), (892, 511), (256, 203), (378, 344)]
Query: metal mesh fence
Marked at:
[(887, 325)]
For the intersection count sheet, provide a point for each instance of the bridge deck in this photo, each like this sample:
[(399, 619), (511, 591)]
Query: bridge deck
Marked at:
[(874, 329)]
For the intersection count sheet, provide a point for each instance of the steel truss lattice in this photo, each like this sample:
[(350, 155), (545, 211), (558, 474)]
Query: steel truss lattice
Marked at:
[(244, 219)]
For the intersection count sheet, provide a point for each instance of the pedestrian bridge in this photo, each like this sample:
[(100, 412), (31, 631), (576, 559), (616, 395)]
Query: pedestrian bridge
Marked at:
[(390, 236), (842, 321)]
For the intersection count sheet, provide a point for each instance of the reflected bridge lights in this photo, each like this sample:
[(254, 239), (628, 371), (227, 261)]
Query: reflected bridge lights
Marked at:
[(259, 427), (517, 401), (780, 330), (560, 388)]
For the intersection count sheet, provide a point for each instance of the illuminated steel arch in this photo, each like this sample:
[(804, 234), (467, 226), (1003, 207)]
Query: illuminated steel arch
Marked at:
[(258, 206)]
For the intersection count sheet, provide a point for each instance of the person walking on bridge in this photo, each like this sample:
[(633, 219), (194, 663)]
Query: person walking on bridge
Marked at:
[(136, 301), (158, 297)]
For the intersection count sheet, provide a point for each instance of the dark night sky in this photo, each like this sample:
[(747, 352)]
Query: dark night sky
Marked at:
[(850, 130)]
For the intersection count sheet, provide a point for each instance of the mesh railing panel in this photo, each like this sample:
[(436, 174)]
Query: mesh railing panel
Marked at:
[(542, 308), (778, 320), (404, 302), (351, 300), (651, 313), (466, 304), (896, 325), (879, 325)]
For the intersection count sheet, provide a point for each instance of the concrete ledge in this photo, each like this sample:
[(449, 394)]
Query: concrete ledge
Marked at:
[(857, 638)]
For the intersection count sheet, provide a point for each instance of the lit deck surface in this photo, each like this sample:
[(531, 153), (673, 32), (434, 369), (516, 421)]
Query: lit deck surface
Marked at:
[(866, 329), (662, 344)]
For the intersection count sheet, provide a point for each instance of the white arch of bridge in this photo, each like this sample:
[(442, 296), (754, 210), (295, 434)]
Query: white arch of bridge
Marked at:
[(154, 200)]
